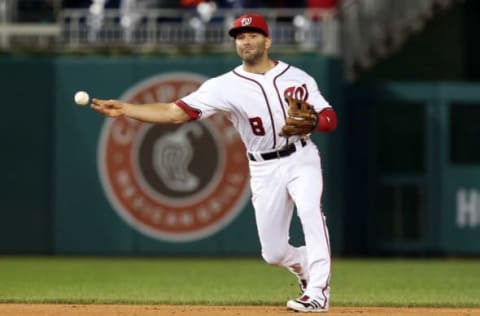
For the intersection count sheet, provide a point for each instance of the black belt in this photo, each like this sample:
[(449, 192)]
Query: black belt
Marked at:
[(284, 152)]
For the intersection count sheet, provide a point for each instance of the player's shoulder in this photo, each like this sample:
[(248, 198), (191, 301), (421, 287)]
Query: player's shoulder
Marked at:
[(214, 82), (219, 79)]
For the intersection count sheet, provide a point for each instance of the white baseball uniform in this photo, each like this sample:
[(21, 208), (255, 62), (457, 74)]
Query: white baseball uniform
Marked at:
[(281, 177)]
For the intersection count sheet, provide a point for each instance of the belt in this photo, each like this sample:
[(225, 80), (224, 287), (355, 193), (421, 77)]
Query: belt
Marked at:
[(284, 152)]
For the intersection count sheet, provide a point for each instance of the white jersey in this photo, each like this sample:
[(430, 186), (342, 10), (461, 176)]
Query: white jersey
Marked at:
[(255, 103)]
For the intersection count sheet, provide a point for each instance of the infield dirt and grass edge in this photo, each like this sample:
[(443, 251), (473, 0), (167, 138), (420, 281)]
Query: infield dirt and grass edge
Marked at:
[(201, 310), (233, 282)]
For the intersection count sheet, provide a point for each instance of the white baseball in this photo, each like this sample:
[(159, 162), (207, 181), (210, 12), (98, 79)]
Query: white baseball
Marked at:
[(82, 98)]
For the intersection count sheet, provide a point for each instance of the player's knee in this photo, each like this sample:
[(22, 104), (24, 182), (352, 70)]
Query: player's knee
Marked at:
[(273, 257)]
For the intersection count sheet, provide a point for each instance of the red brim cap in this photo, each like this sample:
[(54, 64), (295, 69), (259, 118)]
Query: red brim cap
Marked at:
[(249, 23)]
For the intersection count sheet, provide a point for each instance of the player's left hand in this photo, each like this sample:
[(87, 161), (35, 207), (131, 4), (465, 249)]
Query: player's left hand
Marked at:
[(302, 118)]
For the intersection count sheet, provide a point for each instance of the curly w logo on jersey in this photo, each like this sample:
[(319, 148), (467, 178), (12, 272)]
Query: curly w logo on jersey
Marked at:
[(299, 93)]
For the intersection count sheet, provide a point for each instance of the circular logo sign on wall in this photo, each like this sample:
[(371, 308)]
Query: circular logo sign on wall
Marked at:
[(173, 182)]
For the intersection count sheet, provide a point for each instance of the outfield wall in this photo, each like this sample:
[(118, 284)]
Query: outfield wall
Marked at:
[(405, 181), (28, 88), (76, 183), (418, 188)]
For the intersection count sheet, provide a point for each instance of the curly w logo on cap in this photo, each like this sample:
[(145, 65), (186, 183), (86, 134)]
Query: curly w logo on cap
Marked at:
[(249, 22), (246, 21)]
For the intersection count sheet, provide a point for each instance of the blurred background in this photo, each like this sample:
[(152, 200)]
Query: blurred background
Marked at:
[(402, 172)]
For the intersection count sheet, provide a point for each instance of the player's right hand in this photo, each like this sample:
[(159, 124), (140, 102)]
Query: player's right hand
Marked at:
[(111, 108)]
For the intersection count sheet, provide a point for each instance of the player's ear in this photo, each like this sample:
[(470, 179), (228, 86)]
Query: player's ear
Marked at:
[(268, 42)]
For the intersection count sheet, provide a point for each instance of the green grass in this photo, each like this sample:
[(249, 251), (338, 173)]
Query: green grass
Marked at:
[(448, 283)]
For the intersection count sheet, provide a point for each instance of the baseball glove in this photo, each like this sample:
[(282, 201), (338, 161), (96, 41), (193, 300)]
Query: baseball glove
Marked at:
[(302, 118)]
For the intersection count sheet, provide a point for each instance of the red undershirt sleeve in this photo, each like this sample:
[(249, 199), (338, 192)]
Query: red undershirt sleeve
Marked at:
[(193, 113), (327, 120)]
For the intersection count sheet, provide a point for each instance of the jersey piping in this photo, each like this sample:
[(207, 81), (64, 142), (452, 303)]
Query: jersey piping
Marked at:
[(268, 105), (278, 93)]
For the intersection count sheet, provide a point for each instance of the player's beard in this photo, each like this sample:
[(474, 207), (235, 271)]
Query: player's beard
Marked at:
[(253, 54)]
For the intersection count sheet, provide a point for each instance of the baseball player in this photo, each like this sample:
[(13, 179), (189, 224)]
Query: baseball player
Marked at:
[(275, 107)]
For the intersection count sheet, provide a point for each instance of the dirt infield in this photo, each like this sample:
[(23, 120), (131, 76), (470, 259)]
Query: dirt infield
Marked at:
[(161, 310)]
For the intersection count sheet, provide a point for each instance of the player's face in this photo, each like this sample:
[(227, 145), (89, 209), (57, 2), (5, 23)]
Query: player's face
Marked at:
[(252, 46)]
